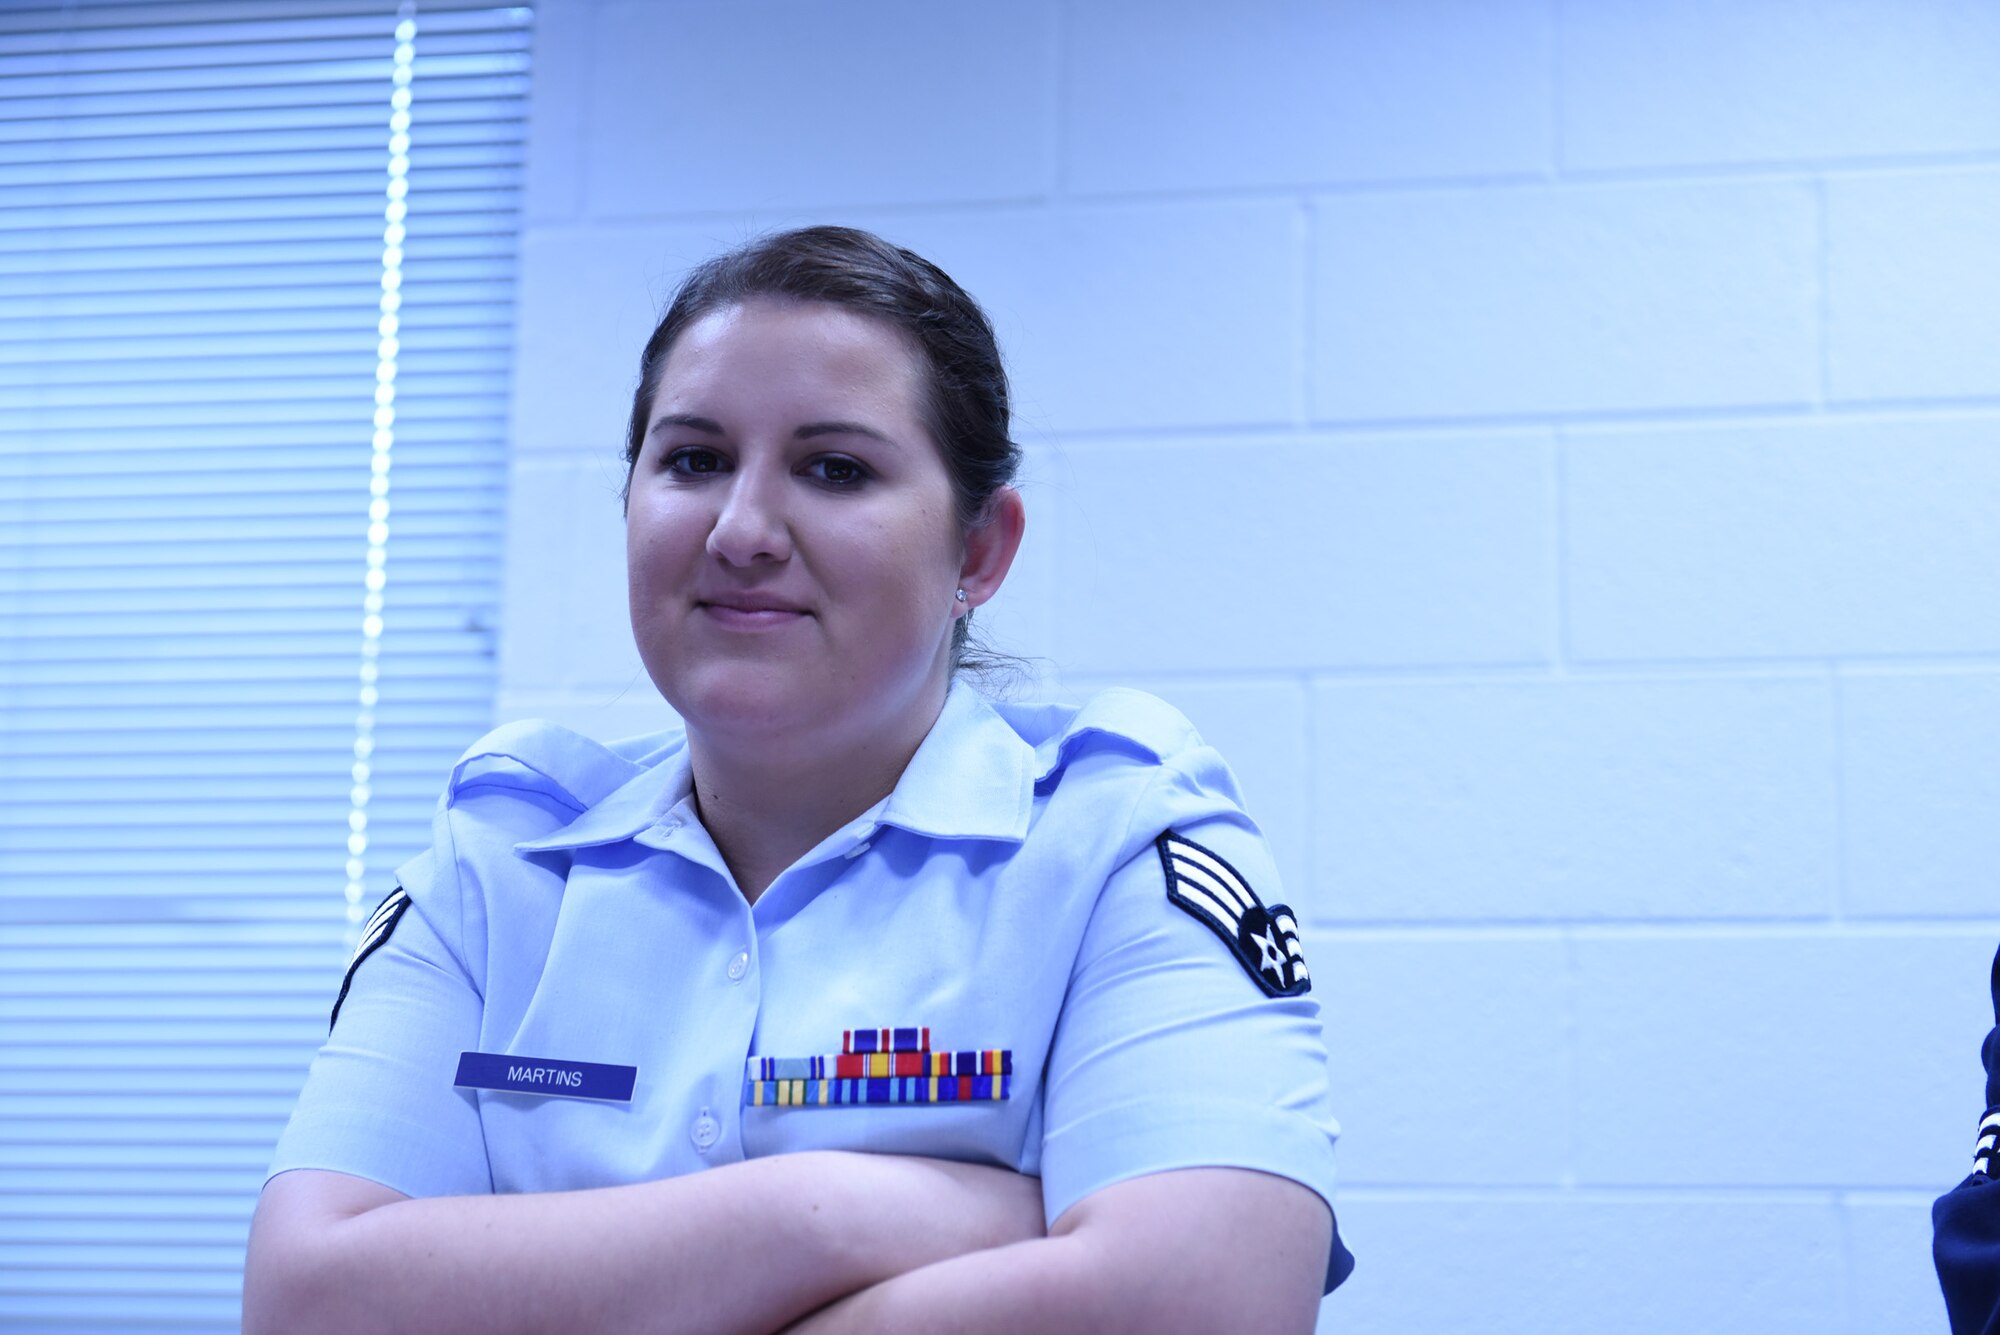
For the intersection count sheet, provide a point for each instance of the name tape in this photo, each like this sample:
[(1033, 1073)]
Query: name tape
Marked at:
[(544, 1075)]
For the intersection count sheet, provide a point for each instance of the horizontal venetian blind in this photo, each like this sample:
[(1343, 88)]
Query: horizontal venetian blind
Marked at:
[(198, 391)]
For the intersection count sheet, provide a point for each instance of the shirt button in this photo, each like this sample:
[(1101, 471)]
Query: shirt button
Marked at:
[(739, 966), (706, 1130)]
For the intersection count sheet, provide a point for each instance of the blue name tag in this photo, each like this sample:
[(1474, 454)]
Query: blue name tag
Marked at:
[(540, 1075)]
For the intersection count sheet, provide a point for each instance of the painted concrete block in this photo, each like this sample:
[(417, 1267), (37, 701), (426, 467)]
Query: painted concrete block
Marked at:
[(1576, 799), (1806, 539), (558, 93), (602, 654), (1131, 317), (1707, 82), (1780, 1059), (1892, 1283), (1259, 726), (1539, 1264), (537, 559), (1227, 554), (1451, 1060), (1564, 299), (1913, 294), (698, 107), (1920, 766), (1187, 95), (564, 620)]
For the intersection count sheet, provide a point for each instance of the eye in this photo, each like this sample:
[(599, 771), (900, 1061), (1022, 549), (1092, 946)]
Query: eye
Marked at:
[(837, 470), (692, 460)]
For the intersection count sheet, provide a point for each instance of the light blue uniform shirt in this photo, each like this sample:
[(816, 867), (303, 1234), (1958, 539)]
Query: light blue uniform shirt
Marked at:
[(1009, 894)]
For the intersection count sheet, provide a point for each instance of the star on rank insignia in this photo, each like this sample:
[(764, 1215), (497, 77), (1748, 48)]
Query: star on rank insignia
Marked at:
[(1264, 940), (373, 933)]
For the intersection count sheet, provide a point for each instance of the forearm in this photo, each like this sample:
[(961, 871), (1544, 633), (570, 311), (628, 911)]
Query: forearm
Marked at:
[(744, 1248), (1055, 1286), (1046, 1286), (1189, 1252)]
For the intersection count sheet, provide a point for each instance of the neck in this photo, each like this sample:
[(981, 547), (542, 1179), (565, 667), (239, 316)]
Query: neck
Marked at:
[(767, 807)]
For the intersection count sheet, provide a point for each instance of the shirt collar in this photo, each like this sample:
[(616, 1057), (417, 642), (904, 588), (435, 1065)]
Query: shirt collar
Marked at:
[(634, 806), (973, 777)]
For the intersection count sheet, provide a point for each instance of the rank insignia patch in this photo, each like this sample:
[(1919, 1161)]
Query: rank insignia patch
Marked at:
[(1264, 940), (1989, 1136), (373, 933)]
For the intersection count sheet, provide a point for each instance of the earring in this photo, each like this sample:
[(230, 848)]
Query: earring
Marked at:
[(960, 595)]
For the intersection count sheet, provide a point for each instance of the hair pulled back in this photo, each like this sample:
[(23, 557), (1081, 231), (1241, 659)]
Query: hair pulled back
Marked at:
[(965, 405)]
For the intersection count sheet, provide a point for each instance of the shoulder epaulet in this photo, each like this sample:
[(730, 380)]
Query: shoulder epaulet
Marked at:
[(543, 757), (1122, 718)]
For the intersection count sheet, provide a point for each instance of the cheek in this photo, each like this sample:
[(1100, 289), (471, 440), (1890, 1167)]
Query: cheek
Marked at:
[(930, 534), (926, 572), (637, 566), (916, 556), (655, 538)]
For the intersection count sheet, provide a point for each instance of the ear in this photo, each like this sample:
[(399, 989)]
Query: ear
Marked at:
[(990, 548)]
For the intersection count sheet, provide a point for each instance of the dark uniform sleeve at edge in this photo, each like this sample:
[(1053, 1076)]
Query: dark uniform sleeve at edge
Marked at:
[(1965, 1221), (1965, 1244), (1339, 1261)]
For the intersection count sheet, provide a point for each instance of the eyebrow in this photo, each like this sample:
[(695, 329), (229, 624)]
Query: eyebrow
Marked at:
[(811, 429), (709, 426)]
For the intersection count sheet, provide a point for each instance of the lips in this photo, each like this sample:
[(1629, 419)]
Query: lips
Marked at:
[(750, 602), (748, 611)]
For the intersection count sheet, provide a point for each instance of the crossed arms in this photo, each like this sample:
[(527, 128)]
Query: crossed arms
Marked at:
[(821, 1242)]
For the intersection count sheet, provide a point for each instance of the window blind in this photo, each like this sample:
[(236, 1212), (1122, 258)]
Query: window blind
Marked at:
[(210, 758)]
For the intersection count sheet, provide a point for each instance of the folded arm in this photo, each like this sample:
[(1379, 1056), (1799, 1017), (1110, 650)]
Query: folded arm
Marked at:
[(744, 1248), (1176, 1253)]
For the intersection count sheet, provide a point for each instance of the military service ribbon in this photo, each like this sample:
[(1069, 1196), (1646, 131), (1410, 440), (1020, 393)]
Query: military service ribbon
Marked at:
[(880, 1066), (876, 1065), (848, 1093), (885, 1040)]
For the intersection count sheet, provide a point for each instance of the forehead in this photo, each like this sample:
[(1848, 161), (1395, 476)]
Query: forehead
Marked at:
[(794, 353)]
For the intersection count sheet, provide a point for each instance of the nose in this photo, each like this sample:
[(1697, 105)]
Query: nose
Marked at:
[(752, 525)]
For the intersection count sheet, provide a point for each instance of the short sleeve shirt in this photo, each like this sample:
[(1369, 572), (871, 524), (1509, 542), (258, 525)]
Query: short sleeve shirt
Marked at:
[(1061, 895)]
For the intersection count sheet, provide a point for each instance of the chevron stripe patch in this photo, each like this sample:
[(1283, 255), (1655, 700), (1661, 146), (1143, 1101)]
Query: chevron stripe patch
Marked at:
[(1264, 940), (373, 933), (1989, 1136)]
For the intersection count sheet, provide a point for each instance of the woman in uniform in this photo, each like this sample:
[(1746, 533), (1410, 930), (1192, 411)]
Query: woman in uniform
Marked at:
[(860, 1002)]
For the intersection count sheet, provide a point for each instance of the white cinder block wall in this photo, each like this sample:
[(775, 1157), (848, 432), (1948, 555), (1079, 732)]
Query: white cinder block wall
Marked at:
[(1552, 448)]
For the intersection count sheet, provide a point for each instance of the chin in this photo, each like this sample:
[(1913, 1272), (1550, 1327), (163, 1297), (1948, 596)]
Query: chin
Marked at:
[(738, 703), (787, 702)]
